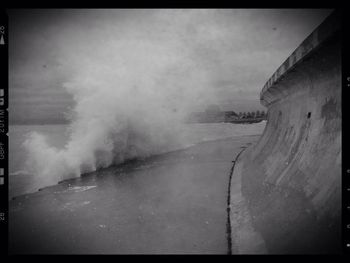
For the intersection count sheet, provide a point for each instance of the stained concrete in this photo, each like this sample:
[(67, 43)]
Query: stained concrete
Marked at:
[(290, 181)]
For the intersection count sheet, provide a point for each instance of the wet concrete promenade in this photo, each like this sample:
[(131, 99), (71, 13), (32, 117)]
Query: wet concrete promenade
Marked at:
[(167, 204)]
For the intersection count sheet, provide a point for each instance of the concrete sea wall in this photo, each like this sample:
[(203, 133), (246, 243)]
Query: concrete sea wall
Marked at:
[(291, 179)]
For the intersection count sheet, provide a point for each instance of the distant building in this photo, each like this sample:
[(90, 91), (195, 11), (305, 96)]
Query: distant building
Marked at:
[(230, 116), (213, 114)]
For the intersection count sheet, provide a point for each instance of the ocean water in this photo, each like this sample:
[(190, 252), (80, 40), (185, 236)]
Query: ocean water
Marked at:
[(21, 181)]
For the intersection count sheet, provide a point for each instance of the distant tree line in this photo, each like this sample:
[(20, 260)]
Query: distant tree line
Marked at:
[(213, 114), (252, 115)]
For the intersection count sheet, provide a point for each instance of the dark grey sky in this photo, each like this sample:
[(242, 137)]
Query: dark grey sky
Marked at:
[(236, 50)]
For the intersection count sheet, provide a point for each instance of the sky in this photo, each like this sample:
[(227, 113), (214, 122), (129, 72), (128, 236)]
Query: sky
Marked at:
[(225, 55)]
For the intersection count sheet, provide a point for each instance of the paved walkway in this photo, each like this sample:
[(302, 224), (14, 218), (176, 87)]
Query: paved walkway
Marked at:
[(167, 204)]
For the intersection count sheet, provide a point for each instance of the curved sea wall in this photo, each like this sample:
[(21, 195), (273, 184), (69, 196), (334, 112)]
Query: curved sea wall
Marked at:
[(291, 179)]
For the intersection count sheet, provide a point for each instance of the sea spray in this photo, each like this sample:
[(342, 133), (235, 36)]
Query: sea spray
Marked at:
[(131, 94)]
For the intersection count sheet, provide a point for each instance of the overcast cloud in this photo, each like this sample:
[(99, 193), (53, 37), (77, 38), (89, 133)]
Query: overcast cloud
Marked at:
[(236, 51)]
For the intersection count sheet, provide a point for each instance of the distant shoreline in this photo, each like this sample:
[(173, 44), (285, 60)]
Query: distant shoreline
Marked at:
[(237, 121)]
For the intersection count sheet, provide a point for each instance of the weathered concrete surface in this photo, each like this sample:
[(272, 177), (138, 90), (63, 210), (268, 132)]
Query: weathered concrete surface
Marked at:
[(290, 182), (172, 203)]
